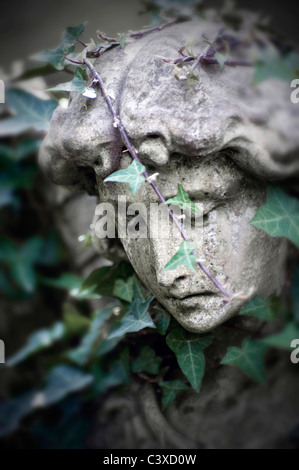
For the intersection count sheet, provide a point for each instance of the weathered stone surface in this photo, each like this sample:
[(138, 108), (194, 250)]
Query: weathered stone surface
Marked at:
[(221, 137)]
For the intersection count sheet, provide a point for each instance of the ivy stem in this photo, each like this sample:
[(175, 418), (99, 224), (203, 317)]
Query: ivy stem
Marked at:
[(118, 123), (139, 34)]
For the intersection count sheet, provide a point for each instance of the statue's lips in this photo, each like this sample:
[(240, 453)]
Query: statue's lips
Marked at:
[(192, 300)]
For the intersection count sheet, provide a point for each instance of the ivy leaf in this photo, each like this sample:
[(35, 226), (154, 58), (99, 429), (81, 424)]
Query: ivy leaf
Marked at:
[(86, 350), (188, 348), (183, 256), (132, 175), (103, 280), (221, 59), (73, 33), (249, 358), (147, 361), (30, 113), (118, 373), (162, 320), (72, 284), (22, 261), (57, 57), (123, 39), (39, 340), (60, 382), (274, 65), (137, 318), (264, 309), (283, 339), (78, 84), (124, 289), (74, 321), (279, 217), (183, 201), (170, 390)]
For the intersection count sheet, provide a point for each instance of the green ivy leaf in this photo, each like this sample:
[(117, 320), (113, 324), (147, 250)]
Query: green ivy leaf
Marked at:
[(183, 256), (109, 274), (188, 348), (162, 320), (78, 84), (73, 33), (72, 284), (57, 57), (31, 113), (22, 261), (279, 217), (74, 321), (123, 39), (60, 382), (147, 361), (249, 358), (132, 175), (283, 339), (118, 373), (39, 340), (264, 309), (183, 201), (87, 348), (274, 65), (124, 289), (137, 318), (170, 390), (221, 59)]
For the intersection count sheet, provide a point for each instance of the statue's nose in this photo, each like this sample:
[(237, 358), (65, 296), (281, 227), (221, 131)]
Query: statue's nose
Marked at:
[(153, 151)]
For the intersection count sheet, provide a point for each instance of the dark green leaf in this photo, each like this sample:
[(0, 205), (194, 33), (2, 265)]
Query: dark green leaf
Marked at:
[(124, 289), (39, 340), (147, 361), (264, 309), (73, 33), (31, 113), (162, 320), (55, 57), (170, 391), (188, 348), (87, 348), (74, 321), (78, 84), (284, 68), (249, 358), (283, 339), (60, 381), (279, 217), (136, 319)]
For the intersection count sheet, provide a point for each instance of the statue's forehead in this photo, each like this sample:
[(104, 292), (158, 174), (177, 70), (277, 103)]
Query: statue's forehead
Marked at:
[(151, 101)]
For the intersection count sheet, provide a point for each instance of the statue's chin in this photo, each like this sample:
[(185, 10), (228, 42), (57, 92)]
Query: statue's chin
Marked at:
[(201, 313)]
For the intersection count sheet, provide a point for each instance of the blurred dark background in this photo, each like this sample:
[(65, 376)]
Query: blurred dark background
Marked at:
[(29, 26)]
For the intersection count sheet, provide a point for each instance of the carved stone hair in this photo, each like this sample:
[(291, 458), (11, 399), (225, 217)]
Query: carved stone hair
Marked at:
[(256, 125)]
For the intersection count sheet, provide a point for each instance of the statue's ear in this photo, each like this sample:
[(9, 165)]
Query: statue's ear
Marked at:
[(81, 144), (65, 172)]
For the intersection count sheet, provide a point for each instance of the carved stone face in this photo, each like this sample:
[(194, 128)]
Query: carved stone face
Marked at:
[(220, 137)]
